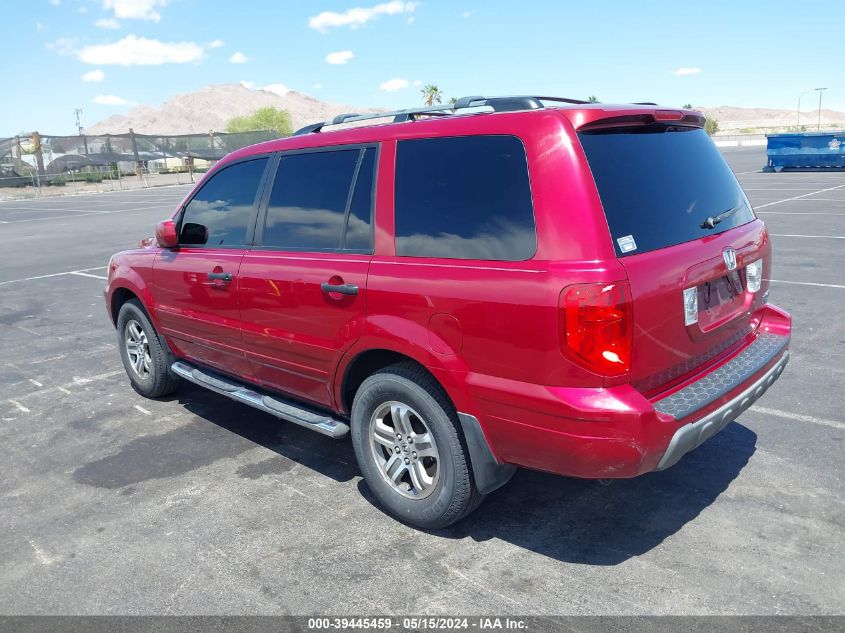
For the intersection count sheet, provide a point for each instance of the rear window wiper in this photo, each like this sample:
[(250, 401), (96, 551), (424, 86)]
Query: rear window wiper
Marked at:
[(711, 221)]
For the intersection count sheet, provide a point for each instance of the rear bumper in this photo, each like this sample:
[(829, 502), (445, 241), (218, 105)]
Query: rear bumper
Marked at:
[(692, 435), (616, 432)]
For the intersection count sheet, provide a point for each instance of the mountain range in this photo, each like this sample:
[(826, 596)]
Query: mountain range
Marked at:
[(211, 107)]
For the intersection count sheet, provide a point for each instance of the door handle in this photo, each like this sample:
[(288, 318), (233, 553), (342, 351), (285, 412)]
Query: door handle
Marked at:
[(344, 289), (227, 277)]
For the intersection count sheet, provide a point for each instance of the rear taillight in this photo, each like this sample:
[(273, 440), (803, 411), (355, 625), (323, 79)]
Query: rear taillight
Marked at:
[(754, 275), (597, 326)]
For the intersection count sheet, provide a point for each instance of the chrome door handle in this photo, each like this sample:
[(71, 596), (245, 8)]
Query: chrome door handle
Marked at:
[(227, 277), (344, 289)]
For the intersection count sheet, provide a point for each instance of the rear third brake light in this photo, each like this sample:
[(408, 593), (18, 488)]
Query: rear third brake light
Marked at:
[(597, 326), (668, 115)]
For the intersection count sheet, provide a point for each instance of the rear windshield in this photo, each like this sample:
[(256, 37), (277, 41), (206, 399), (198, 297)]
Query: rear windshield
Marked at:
[(658, 184)]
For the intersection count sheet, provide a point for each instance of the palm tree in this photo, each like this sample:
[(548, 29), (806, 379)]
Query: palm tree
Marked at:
[(687, 106), (592, 99), (431, 94)]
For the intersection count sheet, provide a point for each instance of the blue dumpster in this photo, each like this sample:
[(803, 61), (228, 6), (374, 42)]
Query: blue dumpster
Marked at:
[(806, 150)]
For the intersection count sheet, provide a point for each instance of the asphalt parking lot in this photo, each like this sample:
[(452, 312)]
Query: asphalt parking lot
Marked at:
[(112, 504)]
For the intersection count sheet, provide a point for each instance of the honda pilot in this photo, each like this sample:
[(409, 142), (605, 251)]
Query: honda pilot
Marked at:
[(466, 289)]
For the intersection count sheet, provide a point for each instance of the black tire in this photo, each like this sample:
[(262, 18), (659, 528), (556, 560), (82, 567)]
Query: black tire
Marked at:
[(158, 380), (454, 494)]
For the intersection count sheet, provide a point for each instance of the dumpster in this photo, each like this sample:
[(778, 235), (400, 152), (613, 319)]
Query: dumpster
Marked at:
[(807, 150)]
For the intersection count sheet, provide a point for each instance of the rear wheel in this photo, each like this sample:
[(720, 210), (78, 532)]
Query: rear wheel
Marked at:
[(144, 358), (410, 448)]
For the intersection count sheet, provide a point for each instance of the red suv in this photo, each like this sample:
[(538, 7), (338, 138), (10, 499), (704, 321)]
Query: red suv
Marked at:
[(515, 281)]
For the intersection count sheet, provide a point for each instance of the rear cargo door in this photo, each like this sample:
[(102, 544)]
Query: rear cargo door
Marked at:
[(679, 222)]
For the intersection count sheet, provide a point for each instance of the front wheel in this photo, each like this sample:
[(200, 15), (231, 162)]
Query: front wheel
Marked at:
[(144, 358), (410, 448)]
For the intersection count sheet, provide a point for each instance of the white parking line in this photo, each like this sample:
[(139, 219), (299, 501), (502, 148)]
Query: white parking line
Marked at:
[(800, 212), (798, 416), (89, 275), (805, 283), (768, 204), (67, 272), (829, 237)]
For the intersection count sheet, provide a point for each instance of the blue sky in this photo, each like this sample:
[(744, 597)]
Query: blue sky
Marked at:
[(107, 55)]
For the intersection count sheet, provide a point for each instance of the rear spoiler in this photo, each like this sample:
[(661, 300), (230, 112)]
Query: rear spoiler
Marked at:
[(675, 117)]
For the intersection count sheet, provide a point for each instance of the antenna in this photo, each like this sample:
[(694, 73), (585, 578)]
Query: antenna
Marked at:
[(78, 114)]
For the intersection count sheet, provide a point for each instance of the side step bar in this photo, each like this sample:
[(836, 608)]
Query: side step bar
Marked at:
[(273, 405)]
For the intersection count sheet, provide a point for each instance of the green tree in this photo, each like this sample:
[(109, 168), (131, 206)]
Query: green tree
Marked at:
[(687, 106), (592, 99), (263, 119), (431, 94), (711, 126)]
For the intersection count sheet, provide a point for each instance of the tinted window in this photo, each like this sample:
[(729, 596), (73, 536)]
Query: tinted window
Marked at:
[(464, 198), (359, 234), (658, 184), (308, 202), (220, 214)]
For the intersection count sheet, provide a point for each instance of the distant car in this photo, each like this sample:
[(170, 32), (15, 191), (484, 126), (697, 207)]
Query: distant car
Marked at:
[(578, 288), (11, 178)]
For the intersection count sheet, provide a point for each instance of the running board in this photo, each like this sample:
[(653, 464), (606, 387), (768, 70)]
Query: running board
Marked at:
[(269, 404)]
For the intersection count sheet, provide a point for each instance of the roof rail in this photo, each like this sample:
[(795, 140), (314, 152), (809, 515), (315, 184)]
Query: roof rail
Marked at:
[(499, 104)]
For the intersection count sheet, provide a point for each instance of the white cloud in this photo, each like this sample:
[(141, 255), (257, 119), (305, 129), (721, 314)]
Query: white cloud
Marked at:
[(216, 44), (466, 14), (112, 100), (248, 84), (138, 51), (359, 16), (318, 86), (340, 57), (411, 20), (238, 58), (107, 23), (40, 27), (55, 3), (684, 70), (83, 9), (135, 9), (417, 82), (392, 85), (279, 89), (63, 46), (94, 76)]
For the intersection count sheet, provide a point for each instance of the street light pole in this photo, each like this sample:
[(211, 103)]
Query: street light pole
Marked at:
[(819, 125)]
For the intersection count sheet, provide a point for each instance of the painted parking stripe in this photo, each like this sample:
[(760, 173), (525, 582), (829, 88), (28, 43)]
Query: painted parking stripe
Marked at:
[(799, 212), (67, 272), (799, 417), (89, 275), (806, 195), (805, 283), (828, 237)]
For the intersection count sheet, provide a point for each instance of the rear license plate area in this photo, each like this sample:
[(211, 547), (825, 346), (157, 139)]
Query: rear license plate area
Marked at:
[(719, 298)]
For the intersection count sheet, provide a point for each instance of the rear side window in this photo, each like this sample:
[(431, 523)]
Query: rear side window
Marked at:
[(464, 198), (220, 214), (658, 184), (316, 195)]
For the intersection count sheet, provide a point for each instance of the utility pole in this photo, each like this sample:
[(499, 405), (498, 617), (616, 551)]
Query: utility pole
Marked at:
[(78, 114), (798, 126), (819, 125)]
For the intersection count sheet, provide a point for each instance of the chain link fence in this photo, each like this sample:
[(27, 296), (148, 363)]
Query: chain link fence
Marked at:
[(42, 165)]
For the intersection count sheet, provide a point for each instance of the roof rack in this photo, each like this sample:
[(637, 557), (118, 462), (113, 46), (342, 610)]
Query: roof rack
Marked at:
[(499, 104)]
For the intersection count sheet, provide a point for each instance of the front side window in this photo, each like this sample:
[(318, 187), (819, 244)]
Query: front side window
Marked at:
[(220, 214), (464, 197), (322, 201)]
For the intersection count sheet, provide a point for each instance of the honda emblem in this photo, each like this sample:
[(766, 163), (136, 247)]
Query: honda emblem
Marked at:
[(729, 255)]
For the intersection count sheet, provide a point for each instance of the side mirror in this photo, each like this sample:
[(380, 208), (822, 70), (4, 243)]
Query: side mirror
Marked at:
[(166, 234)]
